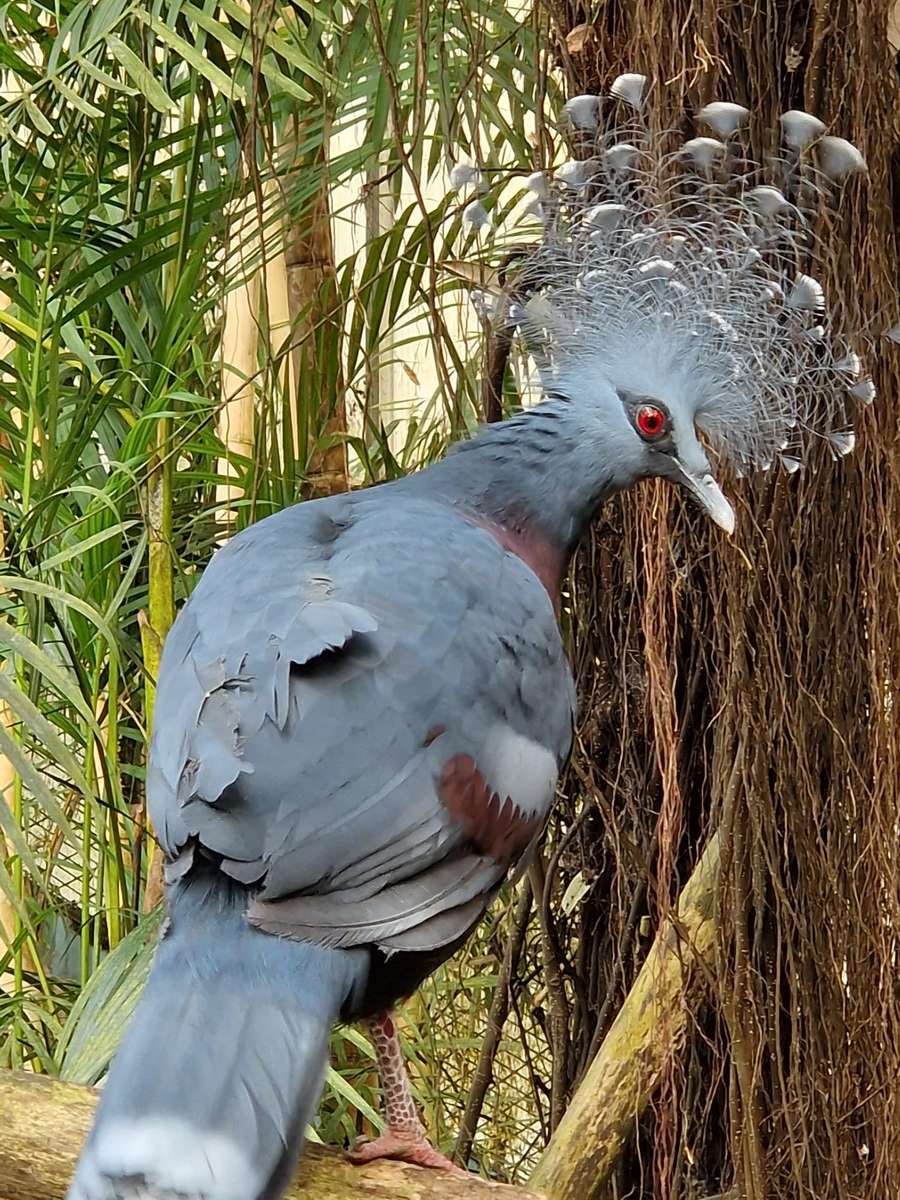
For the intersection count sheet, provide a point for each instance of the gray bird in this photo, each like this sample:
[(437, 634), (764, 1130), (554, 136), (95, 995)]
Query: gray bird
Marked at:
[(364, 707)]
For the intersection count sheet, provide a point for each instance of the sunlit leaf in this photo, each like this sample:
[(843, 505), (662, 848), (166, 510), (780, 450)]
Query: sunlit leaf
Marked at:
[(101, 1013), (141, 75)]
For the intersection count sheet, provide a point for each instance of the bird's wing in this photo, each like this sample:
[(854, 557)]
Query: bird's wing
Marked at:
[(362, 709)]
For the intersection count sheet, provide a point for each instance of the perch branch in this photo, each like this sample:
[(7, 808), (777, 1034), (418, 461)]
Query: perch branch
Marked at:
[(45, 1122)]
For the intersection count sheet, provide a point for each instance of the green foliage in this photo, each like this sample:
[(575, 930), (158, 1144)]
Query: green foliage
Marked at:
[(152, 156)]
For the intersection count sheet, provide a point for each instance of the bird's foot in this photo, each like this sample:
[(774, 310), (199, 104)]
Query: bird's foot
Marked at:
[(404, 1137), (405, 1144)]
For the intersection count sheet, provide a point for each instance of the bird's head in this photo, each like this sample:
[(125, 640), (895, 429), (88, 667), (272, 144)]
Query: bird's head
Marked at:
[(642, 413), (668, 300), (663, 442)]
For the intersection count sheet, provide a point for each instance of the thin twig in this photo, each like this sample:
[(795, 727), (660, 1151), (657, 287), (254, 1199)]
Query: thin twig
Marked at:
[(559, 1009), (496, 1020)]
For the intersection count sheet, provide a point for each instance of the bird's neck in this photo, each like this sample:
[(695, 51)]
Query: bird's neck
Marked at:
[(535, 480)]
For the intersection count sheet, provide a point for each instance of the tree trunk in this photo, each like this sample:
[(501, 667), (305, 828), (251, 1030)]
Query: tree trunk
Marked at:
[(752, 685), (237, 416), (45, 1122)]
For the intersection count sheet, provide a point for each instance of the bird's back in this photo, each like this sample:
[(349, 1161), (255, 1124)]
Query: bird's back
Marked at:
[(362, 712)]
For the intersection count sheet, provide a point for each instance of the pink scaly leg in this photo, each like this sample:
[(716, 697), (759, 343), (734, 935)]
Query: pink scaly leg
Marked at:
[(404, 1137)]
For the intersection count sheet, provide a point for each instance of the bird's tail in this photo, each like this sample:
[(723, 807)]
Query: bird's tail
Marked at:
[(222, 1066)]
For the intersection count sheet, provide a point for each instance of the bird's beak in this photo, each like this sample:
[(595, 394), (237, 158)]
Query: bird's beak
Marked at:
[(711, 496)]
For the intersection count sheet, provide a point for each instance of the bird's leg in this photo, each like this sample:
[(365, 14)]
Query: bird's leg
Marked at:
[(404, 1137)]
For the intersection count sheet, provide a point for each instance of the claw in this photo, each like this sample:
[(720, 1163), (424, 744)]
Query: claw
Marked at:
[(405, 1146), (404, 1137)]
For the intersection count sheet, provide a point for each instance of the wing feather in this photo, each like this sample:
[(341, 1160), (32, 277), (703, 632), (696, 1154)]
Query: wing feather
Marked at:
[(329, 665)]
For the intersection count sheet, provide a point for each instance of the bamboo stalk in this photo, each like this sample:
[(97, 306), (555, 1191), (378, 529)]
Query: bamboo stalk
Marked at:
[(9, 920), (108, 896), (11, 795), (8, 917), (601, 1117), (237, 416), (315, 321), (279, 339), (157, 621)]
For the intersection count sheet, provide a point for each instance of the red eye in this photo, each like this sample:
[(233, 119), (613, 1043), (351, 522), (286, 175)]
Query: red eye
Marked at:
[(651, 421)]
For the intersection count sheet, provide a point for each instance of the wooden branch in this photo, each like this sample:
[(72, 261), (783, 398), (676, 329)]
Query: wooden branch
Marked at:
[(44, 1123), (582, 1152)]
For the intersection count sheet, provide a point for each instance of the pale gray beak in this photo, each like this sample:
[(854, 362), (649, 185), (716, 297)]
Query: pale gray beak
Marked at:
[(710, 495)]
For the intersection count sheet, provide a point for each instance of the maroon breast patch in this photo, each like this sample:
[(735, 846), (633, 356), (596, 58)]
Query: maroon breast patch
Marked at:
[(535, 550), (495, 827)]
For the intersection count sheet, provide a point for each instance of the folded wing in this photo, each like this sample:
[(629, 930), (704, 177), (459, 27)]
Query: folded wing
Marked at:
[(365, 724)]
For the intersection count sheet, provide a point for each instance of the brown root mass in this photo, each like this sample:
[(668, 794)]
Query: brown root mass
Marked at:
[(752, 687)]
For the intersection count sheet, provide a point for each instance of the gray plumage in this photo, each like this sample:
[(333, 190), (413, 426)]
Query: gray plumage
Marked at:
[(331, 661), (220, 1072), (292, 739)]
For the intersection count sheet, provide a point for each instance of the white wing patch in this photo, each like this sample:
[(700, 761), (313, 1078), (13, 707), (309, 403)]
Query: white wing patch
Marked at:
[(520, 768)]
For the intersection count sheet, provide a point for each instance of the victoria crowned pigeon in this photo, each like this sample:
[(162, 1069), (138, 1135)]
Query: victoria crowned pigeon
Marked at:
[(363, 708)]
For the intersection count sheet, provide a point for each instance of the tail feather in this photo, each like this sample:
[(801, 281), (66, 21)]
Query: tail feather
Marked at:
[(222, 1066)]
